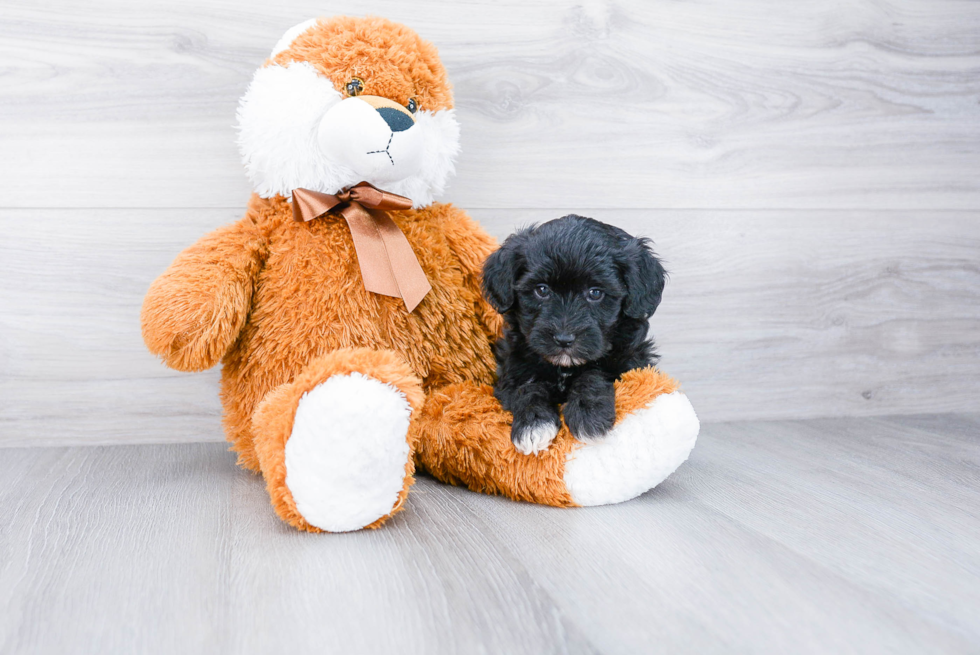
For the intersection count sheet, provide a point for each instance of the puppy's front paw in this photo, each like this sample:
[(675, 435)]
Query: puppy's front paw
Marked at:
[(589, 418), (533, 438)]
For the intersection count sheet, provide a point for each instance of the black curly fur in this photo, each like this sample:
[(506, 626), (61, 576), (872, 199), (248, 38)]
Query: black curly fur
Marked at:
[(538, 369)]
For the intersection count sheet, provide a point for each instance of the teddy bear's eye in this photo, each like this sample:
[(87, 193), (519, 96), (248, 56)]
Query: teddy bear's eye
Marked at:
[(412, 105), (355, 87)]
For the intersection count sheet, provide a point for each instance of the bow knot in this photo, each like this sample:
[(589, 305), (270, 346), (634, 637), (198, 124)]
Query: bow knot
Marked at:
[(388, 263), (309, 205)]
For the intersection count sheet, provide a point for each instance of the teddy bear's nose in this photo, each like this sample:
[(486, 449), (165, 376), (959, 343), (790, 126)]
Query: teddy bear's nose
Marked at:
[(397, 120), (394, 114)]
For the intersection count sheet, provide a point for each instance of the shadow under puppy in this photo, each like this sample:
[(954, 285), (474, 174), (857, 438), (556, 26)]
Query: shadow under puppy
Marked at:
[(576, 296)]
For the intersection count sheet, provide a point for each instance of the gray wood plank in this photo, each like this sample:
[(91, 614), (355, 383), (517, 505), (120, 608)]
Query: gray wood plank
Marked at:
[(961, 426), (866, 104), (791, 536), (772, 538), (669, 570), (173, 549), (892, 511), (767, 315)]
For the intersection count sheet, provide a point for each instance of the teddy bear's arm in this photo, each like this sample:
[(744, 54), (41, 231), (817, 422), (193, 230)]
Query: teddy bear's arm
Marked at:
[(472, 245), (193, 312)]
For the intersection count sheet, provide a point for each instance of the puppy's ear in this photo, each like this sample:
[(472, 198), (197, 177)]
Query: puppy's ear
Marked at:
[(501, 270), (645, 278)]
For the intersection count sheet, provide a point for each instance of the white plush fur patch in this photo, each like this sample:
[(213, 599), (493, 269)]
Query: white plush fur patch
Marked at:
[(355, 133), (278, 120), (346, 456), (279, 128), (636, 455)]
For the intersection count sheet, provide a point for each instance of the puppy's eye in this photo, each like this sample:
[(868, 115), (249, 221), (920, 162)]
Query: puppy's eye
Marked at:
[(412, 105), (355, 87), (542, 291), (595, 295)]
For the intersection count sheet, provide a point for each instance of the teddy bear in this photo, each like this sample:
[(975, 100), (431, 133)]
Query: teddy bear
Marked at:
[(345, 306)]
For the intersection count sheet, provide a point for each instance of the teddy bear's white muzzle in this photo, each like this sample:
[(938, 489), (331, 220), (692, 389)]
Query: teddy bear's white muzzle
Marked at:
[(356, 135)]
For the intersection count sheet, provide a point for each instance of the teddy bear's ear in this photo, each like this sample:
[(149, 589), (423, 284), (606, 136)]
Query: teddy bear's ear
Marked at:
[(501, 271), (291, 34)]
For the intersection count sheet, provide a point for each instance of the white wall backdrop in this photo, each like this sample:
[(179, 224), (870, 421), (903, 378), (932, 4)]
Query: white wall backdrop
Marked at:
[(810, 172)]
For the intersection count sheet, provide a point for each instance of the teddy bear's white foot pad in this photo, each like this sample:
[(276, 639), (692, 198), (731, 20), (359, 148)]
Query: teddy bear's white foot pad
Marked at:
[(636, 455), (346, 456)]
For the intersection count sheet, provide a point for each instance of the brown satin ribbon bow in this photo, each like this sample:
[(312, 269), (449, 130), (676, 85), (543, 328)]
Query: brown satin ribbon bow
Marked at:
[(388, 263)]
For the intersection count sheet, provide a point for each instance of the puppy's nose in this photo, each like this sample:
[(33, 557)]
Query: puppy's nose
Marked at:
[(564, 340)]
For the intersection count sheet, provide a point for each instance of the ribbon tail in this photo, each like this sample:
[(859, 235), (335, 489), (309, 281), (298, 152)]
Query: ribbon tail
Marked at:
[(372, 256), (388, 264), (412, 283)]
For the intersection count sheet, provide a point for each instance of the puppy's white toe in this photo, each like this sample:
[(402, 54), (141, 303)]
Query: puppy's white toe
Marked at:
[(536, 438)]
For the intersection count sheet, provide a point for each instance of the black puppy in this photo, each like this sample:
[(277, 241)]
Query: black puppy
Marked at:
[(576, 295)]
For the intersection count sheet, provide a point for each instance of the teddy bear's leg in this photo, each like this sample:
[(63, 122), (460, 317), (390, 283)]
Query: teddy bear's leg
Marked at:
[(464, 438), (334, 444)]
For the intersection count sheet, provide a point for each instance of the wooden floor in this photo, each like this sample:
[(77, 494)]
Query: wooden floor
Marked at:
[(826, 536)]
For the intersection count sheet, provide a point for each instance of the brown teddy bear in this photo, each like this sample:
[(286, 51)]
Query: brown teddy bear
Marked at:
[(345, 306)]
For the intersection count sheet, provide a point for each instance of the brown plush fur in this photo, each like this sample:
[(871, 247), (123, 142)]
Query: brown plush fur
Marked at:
[(276, 299), (283, 306), (391, 60), (196, 309), (303, 290), (273, 419), (464, 439)]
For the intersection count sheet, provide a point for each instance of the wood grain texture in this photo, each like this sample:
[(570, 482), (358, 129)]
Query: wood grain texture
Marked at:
[(833, 150), (757, 104), (766, 315), (838, 535)]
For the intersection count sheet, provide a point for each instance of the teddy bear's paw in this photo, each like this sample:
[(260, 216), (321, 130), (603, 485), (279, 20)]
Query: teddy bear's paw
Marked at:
[(636, 455), (347, 455)]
